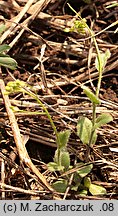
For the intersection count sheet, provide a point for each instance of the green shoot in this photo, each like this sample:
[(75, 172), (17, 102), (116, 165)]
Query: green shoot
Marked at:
[(86, 129)]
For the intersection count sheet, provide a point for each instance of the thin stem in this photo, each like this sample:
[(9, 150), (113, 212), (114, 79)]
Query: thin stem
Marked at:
[(98, 85), (93, 123), (49, 117), (100, 72), (97, 89), (45, 109), (74, 11)]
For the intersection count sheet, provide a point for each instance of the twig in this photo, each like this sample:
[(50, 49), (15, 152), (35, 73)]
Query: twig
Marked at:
[(17, 189)]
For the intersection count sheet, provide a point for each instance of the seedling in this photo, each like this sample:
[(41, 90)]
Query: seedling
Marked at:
[(86, 129), (62, 160)]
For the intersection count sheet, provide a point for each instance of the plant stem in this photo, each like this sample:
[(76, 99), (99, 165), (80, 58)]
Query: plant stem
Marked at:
[(97, 89), (98, 85), (93, 123), (100, 71), (46, 112)]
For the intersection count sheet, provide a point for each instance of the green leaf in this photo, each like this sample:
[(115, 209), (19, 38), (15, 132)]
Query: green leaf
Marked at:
[(4, 47), (85, 170), (8, 62), (103, 119), (74, 187), (87, 182), (63, 138), (77, 178), (3, 55), (83, 192), (77, 181), (52, 166), (2, 28), (57, 152), (84, 129), (60, 186), (97, 190), (101, 60), (107, 55), (90, 94), (65, 159)]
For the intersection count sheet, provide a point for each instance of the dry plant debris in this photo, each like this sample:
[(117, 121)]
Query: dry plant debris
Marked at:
[(54, 62)]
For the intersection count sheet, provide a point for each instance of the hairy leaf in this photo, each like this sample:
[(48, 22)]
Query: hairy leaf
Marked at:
[(84, 129), (90, 94), (103, 119), (63, 138), (65, 159), (85, 170)]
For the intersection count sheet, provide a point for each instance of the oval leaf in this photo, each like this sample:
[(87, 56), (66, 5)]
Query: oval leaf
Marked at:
[(65, 160), (90, 94), (60, 186), (63, 138), (8, 62), (97, 190), (84, 128), (85, 170), (87, 182), (103, 119)]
